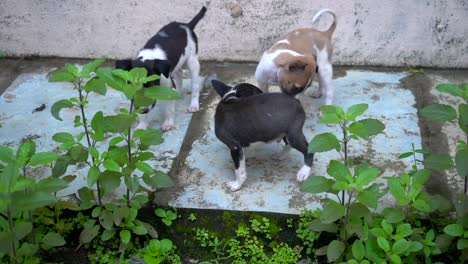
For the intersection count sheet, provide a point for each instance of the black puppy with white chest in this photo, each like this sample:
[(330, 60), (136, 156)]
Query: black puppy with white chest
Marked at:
[(245, 115), (174, 47)]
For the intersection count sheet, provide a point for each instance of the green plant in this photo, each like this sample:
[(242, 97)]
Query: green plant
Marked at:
[(167, 216), (158, 251), (20, 196), (123, 158)]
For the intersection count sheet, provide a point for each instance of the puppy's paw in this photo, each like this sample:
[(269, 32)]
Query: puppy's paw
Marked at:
[(303, 173), (194, 107), (168, 125), (233, 186), (316, 94)]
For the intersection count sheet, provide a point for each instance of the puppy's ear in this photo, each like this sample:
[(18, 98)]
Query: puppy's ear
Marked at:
[(123, 64), (220, 87), (162, 67)]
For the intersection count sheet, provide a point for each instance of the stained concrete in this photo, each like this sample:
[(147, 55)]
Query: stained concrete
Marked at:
[(391, 33), (200, 164)]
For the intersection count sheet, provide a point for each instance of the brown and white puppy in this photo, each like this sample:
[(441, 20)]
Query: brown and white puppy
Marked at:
[(295, 59)]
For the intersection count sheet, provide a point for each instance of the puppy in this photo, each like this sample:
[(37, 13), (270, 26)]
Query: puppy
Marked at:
[(245, 115), (295, 59), (174, 47)]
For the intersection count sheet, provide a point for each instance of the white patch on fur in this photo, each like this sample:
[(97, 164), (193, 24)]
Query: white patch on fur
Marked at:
[(303, 173), (152, 54), (241, 176), (283, 41)]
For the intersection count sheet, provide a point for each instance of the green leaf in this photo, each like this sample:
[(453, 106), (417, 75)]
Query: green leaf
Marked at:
[(373, 126), (461, 162), (115, 141), (463, 115), (332, 110), (93, 176), (324, 142), (151, 78), (119, 214), (400, 247), (53, 239), (158, 180), (339, 171), (61, 75), (367, 198), (395, 259), (335, 250), (43, 158), (359, 210), (32, 200), (438, 162), (113, 81), (317, 226), (125, 236), (462, 244), (22, 229), (139, 230), (90, 67), (106, 219), (149, 137), (63, 137), (393, 215), (358, 129), (450, 88), (86, 194), (122, 74), (117, 123), (455, 230), (138, 74), (415, 246), (139, 99), (439, 112), (383, 244), (405, 155), (332, 211), (403, 230), (6, 154), (107, 234), (96, 85), (58, 106), (110, 180), (144, 167), (358, 250), (93, 152), (89, 233), (388, 228), (316, 184), (355, 111), (366, 176), (161, 93), (111, 165), (421, 177), (51, 185)]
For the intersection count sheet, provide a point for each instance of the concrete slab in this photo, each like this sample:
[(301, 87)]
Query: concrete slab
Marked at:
[(200, 164)]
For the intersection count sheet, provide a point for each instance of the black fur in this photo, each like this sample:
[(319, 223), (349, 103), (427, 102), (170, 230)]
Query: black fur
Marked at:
[(259, 117)]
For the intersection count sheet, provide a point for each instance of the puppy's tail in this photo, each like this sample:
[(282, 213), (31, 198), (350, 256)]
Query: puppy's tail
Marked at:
[(330, 31), (197, 18)]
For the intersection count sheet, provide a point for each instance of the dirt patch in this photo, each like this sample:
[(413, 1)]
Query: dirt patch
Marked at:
[(432, 136)]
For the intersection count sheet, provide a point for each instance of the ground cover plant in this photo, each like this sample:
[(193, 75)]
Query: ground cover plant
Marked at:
[(351, 227)]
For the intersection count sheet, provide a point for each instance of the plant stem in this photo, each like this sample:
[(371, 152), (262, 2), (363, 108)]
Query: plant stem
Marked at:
[(12, 231), (345, 149), (348, 209), (129, 137), (466, 176)]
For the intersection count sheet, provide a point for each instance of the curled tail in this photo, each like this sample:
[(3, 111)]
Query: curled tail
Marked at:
[(197, 18), (333, 25)]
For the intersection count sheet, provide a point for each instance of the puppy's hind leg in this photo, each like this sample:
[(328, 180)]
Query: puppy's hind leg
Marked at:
[(298, 141), (194, 67), (280, 155), (239, 163), (326, 81)]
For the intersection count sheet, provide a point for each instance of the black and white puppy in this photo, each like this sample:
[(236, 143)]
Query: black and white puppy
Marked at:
[(245, 115), (173, 48)]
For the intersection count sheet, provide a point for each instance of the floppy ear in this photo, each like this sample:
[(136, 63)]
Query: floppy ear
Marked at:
[(220, 87), (123, 64), (162, 66), (246, 90)]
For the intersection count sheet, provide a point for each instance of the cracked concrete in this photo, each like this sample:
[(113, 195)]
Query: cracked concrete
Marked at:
[(200, 164)]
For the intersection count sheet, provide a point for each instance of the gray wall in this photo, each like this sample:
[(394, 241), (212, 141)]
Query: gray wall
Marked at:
[(369, 32)]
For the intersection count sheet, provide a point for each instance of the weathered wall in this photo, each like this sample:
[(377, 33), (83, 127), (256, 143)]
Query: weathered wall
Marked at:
[(369, 32)]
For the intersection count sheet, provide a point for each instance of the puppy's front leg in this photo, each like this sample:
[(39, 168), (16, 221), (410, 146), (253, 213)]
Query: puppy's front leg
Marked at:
[(169, 122), (326, 82), (239, 162), (194, 67)]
